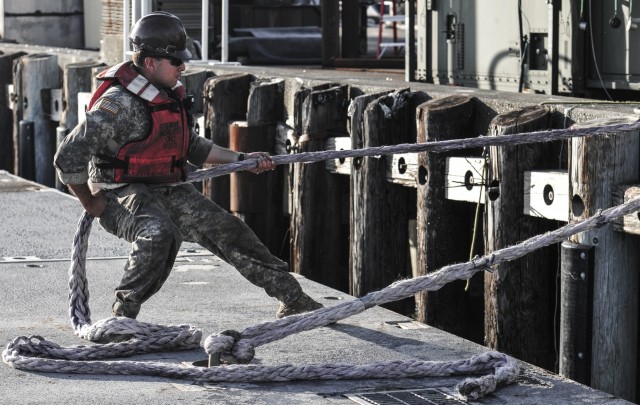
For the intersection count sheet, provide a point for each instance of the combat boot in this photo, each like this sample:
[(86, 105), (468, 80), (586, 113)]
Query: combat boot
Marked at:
[(128, 309), (302, 304)]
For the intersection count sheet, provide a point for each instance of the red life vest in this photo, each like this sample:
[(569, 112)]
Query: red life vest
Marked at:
[(161, 156)]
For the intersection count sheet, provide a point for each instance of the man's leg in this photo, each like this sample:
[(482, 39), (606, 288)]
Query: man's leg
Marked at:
[(204, 222), (139, 218)]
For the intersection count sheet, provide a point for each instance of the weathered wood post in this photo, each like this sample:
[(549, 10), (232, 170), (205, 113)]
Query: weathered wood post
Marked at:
[(94, 74), (596, 166), (39, 75), (18, 112), (78, 78), (381, 210), (445, 227), (319, 235), (258, 199), (193, 80), (519, 295), (225, 100), (6, 113), (356, 244)]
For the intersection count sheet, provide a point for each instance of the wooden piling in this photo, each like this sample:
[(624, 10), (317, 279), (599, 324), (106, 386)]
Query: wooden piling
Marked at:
[(596, 166), (38, 73), (193, 80), (95, 83), (381, 210), (319, 225), (18, 112), (357, 252), (445, 227), (6, 114), (258, 199), (519, 295), (225, 100), (78, 78)]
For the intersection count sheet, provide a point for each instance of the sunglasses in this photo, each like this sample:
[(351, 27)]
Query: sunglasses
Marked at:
[(174, 61)]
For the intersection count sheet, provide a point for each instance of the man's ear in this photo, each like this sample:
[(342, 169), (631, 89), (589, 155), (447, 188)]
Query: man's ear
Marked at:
[(149, 63)]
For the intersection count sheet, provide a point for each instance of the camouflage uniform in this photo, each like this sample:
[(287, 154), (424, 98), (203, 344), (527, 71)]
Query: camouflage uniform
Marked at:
[(156, 218)]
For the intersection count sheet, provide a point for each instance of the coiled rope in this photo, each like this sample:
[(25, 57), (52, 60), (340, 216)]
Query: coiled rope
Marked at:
[(38, 354)]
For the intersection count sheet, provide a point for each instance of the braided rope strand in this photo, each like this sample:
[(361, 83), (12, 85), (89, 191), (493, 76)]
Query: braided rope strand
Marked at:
[(439, 146), (275, 330)]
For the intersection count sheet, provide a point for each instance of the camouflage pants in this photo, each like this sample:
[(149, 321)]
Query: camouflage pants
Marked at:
[(157, 218)]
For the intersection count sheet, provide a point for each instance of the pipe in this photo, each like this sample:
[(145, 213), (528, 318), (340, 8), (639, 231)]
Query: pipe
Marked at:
[(224, 58), (145, 7), (204, 45), (125, 29), (135, 10)]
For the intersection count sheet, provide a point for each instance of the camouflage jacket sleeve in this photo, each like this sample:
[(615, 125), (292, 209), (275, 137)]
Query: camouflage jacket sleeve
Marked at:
[(199, 148)]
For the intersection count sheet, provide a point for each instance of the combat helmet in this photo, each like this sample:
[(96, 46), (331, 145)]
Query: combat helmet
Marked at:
[(160, 34)]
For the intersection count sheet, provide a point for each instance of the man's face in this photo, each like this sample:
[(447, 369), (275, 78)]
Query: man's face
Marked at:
[(164, 71)]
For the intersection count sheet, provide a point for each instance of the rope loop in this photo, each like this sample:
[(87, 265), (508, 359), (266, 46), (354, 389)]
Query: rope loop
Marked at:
[(505, 371), (231, 347)]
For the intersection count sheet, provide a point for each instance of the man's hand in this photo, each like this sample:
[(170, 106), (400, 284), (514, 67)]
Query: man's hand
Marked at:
[(219, 156), (94, 204), (264, 162)]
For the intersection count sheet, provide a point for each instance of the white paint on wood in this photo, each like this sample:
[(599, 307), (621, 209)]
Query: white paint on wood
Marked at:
[(199, 124), (11, 94), (629, 223), (403, 169), (338, 166), (546, 194), (83, 103), (464, 180)]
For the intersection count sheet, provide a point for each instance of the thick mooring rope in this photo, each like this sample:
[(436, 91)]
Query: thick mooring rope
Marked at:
[(439, 146), (38, 354)]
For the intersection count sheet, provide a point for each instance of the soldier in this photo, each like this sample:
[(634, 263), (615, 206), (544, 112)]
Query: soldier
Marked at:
[(126, 163)]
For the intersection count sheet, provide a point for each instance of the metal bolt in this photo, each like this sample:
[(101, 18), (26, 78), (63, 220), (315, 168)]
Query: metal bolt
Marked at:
[(580, 355), (583, 276), (583, 255), (595, 241)]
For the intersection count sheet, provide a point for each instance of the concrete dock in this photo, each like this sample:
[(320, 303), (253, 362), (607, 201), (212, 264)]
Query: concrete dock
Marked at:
[(38, 227)]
